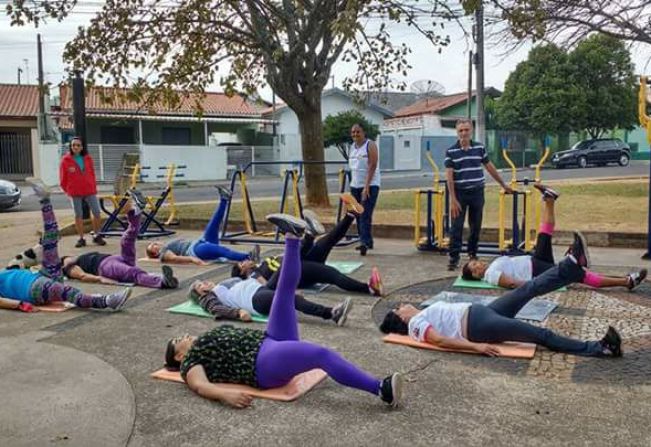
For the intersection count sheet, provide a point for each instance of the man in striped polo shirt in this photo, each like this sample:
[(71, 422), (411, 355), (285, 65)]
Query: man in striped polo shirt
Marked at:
[(465, 178)]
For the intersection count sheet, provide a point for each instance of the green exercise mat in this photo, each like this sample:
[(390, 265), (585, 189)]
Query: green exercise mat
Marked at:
[(460, 282), (191, 308), (345, 267)]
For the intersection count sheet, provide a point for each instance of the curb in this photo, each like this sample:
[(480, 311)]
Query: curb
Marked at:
[(606, 239)]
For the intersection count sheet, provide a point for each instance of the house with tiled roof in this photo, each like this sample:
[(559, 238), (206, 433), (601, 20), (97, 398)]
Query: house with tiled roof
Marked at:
[(162, 134), (18, 130), (428, 123)]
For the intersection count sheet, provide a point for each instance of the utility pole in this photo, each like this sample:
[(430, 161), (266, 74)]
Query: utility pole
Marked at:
[(41, 91), (479, 66), (26, 62), (469, 108), (20, 70)]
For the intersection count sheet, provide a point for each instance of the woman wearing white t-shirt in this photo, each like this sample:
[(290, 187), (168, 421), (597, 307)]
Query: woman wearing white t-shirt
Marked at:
[(472, 327), (238, 299), (512, 271), (364, 164)]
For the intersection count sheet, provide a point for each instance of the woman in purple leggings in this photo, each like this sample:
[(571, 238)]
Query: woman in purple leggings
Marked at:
[(47, 286), (111, 269), (271, 358)]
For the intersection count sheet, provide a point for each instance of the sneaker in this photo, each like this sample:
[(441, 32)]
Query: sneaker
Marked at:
[(224, 192), (391, 389), (80, 243), (314, 227), (352, 205), (472, 256), (138, 199), (42, 191), (99, 240), (579, 250), (546, 191), (340, 311), (287, 223), (362, 249), (116, 300), (375, 283), (169, 281), (635, 279), (453, 264), (612, 343), (254, 254)]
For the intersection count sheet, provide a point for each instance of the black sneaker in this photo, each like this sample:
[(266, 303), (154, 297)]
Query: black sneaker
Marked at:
[(169, 281), (80, 243), (453, 264), (362, 249), (287, 223), (99, 240), (138, 199), (391, 389), (254, 254), (340, 311), (546, 191), (579, 250), (635, 279), (612, 343), (224, 192), (314, 227), (472, 256)]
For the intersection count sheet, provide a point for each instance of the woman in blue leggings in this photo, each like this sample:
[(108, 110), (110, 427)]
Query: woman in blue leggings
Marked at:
[(271, 358), (203, 250)]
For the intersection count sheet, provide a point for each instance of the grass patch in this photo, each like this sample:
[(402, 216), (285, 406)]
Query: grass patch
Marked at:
[(597, 206)]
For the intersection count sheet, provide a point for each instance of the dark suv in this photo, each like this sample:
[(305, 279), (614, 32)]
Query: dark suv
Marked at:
[(598, 152)]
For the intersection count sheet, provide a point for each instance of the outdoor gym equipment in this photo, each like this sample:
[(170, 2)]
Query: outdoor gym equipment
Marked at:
[(291, 186), (115, 225), (439, 220), (645, 121)]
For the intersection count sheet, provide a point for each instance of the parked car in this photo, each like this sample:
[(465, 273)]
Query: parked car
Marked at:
[(9, 195), (598, 152)]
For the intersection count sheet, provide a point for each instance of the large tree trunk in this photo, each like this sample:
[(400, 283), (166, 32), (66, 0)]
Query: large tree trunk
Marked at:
[(311, 129)]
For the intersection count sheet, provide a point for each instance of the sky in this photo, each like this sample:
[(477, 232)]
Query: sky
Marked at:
[(449, 68)]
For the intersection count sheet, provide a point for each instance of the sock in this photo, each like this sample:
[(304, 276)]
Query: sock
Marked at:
[(546, 228), (592, 279)]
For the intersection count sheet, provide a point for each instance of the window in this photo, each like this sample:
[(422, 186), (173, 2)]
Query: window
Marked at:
[(176, 135), (407, 144), (117, 135)]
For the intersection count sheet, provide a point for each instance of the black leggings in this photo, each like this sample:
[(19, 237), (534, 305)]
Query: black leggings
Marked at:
[(264, 296), (314, 272), (320, 250), (543, 255)]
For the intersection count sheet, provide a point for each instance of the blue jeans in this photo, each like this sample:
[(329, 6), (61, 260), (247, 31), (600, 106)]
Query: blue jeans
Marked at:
[(365, 221), (207, 248), (472, 202), (496, 322)]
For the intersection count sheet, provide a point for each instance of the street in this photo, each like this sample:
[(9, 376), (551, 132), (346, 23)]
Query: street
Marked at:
[(271, 186)]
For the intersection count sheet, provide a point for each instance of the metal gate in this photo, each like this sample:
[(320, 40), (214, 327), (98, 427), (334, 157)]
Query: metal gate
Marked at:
[(108, 159), (15, 155)]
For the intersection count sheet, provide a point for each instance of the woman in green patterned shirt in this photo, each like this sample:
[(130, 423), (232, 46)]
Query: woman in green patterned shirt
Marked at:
[(271, 358)]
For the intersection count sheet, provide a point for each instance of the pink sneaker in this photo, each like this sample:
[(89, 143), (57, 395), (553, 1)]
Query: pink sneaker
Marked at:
[(375, 283)]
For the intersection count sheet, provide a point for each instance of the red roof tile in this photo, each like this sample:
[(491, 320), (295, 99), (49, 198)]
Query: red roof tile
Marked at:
[(214, 104), (18, 101), (432, 105)]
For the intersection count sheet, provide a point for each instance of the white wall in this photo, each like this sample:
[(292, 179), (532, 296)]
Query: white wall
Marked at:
[(203, 162), (48, 156)]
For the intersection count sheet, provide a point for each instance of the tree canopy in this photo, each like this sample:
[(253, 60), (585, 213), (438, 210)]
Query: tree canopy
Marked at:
[(336, 130), (162, 47)]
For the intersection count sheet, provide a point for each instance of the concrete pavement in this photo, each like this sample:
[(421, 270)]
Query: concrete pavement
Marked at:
[(98, 364)]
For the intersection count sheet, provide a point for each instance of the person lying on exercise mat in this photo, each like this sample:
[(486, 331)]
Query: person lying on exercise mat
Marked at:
[(270, 358), (122, 268), (314, 254), (47, 285), (205, 249), (472, 327), (512, 271)]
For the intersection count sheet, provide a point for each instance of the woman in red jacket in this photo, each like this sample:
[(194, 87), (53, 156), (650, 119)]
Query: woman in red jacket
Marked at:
[(77, 179)]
